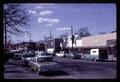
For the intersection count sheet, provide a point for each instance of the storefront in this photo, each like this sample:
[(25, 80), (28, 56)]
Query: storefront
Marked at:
[(111, 49)]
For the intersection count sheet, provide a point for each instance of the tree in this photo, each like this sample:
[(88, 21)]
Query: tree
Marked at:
[(83, 32), (14, 17), (63, 35), (102, 32), (113, 31), (41, 41), (46, 38)]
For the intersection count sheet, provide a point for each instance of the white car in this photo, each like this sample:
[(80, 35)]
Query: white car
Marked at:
[(61, 54), (26, 57), (43, 64), (39, 52)]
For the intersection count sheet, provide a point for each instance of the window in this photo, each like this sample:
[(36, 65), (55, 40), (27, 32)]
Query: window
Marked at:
[(93, 51), (28, 55), (44, 59), (51, 43), (34, 60)]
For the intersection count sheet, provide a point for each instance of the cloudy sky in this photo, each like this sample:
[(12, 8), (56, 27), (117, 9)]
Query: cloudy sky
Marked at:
[(58, 18)]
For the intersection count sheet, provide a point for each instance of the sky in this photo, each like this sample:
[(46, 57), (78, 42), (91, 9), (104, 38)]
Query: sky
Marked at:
[(58, 18)]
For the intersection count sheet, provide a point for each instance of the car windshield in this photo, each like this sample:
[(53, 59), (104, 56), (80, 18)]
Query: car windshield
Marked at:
[(44, 59), (28, 55)]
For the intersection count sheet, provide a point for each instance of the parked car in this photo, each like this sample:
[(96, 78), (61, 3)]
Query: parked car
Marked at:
[(90, 57), (43, 64), (39, 52), (72, 55), (14, 51), (76, 55), (61, 54), (32, 51), (48, 54), (26, 57), (7, 55), (17, 56)]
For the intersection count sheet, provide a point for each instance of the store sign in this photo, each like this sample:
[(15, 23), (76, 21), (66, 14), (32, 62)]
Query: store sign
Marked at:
[(94, 52), (111, 42)]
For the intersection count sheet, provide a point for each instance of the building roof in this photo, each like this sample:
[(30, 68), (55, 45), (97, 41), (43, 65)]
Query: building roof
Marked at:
[(98, 40)]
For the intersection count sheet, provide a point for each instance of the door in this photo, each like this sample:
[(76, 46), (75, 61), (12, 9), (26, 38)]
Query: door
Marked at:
[(103, 54)]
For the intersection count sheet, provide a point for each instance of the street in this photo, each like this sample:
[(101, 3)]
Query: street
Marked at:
[(70, 69)]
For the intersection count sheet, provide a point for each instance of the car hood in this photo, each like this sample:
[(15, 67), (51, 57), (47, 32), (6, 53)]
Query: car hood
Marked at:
[(28, 58)]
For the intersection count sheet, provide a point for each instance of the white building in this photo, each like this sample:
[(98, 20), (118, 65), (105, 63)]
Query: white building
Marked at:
[(77, 42), (105, 42)]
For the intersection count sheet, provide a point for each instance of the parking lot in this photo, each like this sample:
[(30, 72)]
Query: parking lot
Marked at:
[(70, 69)]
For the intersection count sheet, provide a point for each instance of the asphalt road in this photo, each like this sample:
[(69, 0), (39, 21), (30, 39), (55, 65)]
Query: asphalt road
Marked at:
[(70, 69)]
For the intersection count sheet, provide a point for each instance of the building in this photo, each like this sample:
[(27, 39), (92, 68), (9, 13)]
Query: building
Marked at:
[(77, 43), (106, 43), (27, 46), (54, 45), (40, 46)]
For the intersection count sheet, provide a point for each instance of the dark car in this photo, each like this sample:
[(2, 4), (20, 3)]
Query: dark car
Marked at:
[(69, 55), (17, 56), (76, 56), (72, 55), (48, 54)]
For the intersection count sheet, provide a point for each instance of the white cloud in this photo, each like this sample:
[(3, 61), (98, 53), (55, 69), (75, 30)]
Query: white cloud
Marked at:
[(62, 29), (32, 12), (47, 12), (48, 21), (49, 24), (40, 20), (39, 7)]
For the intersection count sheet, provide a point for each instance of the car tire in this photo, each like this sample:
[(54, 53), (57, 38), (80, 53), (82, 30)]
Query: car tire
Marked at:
[(31, 68)]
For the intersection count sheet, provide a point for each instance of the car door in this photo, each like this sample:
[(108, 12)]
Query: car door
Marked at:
[(32, 63), (35, 64)]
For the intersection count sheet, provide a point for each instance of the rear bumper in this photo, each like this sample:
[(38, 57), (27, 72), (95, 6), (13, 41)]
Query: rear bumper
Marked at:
[(49, 68)]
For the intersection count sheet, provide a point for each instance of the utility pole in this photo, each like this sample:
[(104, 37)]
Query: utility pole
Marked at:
[(50, 35), (72, 38), (94, 36), (5, 32)]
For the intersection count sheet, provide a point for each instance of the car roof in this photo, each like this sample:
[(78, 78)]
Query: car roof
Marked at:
[(42, 56)]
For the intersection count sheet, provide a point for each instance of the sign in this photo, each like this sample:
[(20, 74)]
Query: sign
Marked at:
[(94, 52), (111, 42)]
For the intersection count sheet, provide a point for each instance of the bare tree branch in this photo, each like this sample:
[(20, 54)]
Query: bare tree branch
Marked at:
[(15, 17), (83, 32)]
